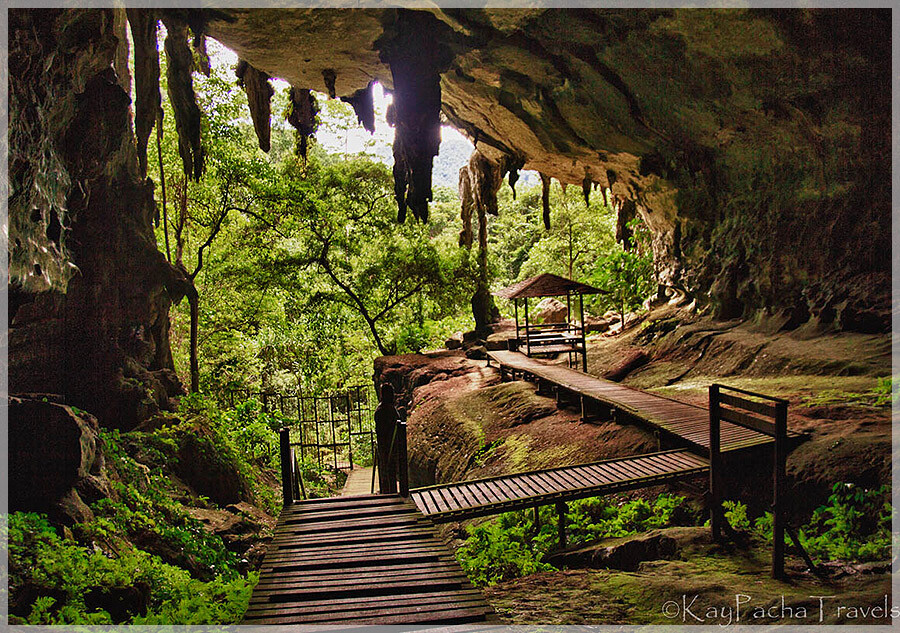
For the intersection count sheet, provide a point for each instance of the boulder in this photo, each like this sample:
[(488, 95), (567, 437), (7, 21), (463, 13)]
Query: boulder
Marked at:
[(54, 451), (594, 324), (477, 352), (550, 310), (406, 371), (631, 361), (499, 341), (208, 469), (627, 553), (455, 341)]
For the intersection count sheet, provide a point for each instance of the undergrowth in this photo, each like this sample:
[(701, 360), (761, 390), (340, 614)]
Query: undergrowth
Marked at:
[(143, 559), (67, 582), (854, 526), (510, 546)]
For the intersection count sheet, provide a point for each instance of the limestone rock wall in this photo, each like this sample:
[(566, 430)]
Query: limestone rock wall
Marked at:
[(88, 298)]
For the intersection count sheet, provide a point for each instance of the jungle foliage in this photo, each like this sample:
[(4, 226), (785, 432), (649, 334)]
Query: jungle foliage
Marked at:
[(511, 546), (144, 559), (854, 525), (302, 274)]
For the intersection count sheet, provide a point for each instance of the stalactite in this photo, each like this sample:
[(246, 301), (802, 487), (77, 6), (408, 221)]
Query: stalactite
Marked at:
[(181, 95), (146, 78), (303, 116), (416, 59), (259, 96), (610, 181), (479, 182), (586, 186), (467, 203), (202, 56), (364, 106), (545, 199), (626, 212), (482, 302), (513, 165), (329, 77)]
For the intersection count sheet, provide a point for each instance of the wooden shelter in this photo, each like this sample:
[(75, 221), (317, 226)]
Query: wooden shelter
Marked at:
[(551, 338)]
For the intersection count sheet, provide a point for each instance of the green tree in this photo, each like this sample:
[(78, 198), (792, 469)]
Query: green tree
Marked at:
[(345, 229), (627, 276), (580, 235)]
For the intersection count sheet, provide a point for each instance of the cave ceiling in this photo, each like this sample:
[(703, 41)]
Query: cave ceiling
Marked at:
[(645, 102), (575, 93), (753, 143)]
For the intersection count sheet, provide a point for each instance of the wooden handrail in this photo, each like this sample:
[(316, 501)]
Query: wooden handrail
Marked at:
[(777, 429), (402, 460), (284, 440)]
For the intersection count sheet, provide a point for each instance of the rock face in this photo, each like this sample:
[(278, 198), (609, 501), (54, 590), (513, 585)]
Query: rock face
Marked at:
[(89, 291)]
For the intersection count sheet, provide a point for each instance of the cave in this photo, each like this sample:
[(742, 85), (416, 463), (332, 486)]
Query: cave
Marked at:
[(754, 145), (748, 149)]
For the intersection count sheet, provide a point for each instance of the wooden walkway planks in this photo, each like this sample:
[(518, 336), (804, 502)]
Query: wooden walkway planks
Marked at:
[(686, 423), (369, 559), (481, 497)]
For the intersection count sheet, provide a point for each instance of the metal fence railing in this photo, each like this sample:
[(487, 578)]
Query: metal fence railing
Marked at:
[(335, 429)]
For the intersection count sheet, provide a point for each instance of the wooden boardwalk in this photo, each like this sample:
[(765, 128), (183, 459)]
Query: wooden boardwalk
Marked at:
[(480, 497), (376, 559), (685, 423), (359, 482), (371, 559)]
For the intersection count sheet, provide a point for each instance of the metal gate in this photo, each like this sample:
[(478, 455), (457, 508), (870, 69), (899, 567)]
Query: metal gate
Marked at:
[(334, 430)]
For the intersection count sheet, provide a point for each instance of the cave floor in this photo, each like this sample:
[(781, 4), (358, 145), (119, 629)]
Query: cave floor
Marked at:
[(709, 585)]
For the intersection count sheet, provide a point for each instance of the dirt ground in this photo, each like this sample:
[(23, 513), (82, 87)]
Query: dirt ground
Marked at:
[(701, 583)]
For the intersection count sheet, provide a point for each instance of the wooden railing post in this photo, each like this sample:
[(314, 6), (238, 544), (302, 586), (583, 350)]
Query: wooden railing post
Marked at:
[(284, 439), (778, 480), (715, 456), (527, 335), (295, 477), (402, 460), (516, 309), (583, 334), (561, 523)]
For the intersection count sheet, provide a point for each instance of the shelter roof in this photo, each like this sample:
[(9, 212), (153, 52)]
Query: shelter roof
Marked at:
[(546, 285)]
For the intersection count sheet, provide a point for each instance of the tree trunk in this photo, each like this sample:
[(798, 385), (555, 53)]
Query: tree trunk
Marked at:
[(483, 308), (194, 303)]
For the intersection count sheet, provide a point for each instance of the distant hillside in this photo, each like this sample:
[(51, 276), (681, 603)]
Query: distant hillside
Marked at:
[(454, 153)]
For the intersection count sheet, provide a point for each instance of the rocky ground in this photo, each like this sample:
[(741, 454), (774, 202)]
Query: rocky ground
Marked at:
[(464, 423), (690, 580)]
